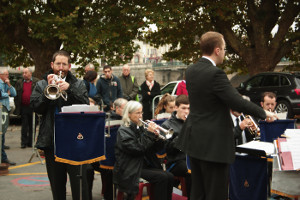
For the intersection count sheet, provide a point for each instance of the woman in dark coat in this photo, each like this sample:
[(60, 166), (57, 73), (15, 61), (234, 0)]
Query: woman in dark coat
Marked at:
[(133, 143), (149, 89)]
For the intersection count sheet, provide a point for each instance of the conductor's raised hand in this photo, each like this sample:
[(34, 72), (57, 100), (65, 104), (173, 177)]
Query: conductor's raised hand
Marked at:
[(271, 117)]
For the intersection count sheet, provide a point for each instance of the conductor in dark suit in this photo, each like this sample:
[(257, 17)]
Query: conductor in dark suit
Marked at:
[(207, 135)]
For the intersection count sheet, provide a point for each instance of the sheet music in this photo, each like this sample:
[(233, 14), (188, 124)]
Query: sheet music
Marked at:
[(284, 147), (281, 115), (79, 108), (268, 147), (292, 145)]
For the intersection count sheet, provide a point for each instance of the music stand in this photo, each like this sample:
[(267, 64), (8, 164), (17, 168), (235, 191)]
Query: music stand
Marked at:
[(35, 151), (84, 132)]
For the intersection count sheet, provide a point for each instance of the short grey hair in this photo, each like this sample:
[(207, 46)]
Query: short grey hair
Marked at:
[(130, 107), (3, 70), (30, 70), (119, 102), (90, 65)]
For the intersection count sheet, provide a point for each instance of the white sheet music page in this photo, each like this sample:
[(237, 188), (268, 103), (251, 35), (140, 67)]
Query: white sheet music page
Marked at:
[(268, 147), (79, 108), (292, 145)]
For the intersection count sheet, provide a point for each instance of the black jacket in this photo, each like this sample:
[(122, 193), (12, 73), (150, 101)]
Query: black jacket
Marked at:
[(173, 153), (108, 90), (147, 99), (130, 148), (77, 94), (207, 133), (237, 132)]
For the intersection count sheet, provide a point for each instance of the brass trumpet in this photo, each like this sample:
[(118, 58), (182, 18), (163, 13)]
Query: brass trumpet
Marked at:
[(53, 92), (253, 128), (168, 133)]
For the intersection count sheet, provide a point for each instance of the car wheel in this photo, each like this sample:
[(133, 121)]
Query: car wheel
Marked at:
[(284, 106)]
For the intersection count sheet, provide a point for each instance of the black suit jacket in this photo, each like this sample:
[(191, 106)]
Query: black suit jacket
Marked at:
[(208, 132), (237, 132)]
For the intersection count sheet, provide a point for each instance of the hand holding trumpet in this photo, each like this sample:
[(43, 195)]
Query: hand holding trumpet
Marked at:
[(54, 79), (246, 123), (154, 128)]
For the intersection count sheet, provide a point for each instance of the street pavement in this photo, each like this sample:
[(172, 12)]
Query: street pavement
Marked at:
[(29, 180)]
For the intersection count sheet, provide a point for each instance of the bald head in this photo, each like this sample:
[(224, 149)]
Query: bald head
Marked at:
[(126, 70), (89, 67)]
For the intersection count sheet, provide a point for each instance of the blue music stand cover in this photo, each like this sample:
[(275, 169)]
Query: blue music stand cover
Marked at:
[(273, 130), (248, 178), (110, 142), (79, 137)]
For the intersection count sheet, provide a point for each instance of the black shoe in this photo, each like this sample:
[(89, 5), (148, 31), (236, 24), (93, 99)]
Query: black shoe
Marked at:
[(8, 162), (29, 145), (6, 147), (23, 146)]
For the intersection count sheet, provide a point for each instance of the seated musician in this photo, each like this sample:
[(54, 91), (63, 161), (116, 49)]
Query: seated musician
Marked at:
[(240, 128), (268, 101), (118, 107), (132, 150), (165, 107), (176, 159)]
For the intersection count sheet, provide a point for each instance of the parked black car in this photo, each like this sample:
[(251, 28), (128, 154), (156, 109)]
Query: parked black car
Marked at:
[(286, 85)]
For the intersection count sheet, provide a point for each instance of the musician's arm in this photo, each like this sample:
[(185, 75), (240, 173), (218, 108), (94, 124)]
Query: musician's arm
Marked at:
[(170, 144), (230, 96), (237, 131), (77, 93), (131, 144), (38, 100)]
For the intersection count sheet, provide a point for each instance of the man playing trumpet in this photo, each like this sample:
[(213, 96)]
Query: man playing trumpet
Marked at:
[(77, 94)]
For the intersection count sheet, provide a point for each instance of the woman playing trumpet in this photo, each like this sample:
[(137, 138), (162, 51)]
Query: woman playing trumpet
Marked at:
[(135, 156)]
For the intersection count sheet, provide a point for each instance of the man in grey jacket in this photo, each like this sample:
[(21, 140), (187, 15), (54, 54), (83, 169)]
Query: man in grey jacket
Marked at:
[(129, 84), (76, 94)]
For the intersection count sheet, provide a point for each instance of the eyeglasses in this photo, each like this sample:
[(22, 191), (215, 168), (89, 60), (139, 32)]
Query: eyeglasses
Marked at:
[(138, 113), (59, 64)]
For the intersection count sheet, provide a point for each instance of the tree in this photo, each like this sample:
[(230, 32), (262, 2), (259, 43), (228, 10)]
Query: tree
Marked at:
[(246, 25), (31, 31)]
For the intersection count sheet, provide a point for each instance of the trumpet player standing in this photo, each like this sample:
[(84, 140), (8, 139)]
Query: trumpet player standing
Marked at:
[(207, 135), (76, 93)]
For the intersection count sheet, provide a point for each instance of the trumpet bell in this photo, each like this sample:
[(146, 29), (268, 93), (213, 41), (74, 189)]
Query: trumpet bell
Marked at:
[(52, 92)]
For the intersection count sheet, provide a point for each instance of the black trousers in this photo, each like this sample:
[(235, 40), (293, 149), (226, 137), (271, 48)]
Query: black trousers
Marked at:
[(209, 180), (161, 182), (106, 179), (57, 174), (180, 170), (26, 131)]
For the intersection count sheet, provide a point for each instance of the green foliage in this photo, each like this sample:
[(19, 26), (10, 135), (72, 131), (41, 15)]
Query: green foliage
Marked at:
[(90, 30), (246, 25)]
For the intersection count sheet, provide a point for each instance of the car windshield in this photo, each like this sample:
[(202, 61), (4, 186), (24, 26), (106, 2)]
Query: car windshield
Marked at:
[(254, 82), (168, 88)]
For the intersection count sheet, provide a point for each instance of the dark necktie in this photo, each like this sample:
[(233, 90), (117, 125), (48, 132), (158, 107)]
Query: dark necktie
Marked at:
[(237, 121)]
